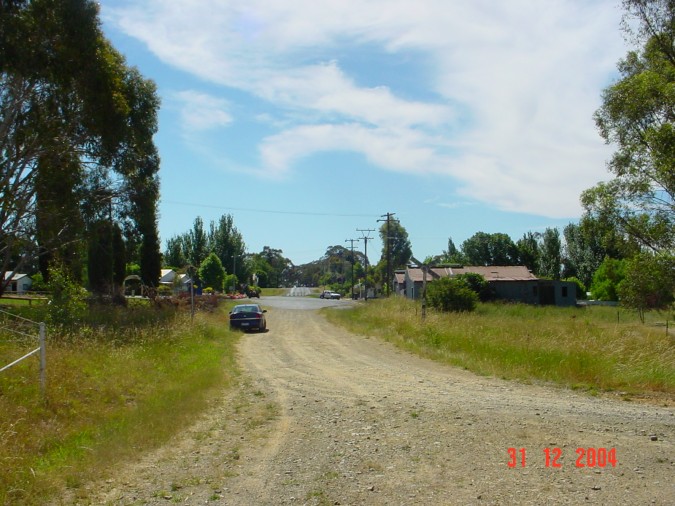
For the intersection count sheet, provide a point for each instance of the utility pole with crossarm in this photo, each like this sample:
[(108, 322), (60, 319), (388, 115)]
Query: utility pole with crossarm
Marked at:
[(352, 248), (389, 217), (366, 237)]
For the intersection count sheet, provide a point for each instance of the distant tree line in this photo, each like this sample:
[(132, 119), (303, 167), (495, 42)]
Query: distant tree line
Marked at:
[(219, 258)]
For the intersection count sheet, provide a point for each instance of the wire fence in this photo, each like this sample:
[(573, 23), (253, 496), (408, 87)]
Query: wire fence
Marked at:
[(28, 329)]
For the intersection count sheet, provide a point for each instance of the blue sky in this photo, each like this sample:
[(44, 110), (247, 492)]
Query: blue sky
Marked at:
[(309, 119)]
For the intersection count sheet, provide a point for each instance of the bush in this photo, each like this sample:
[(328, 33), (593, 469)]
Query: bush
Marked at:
[(607, 278), (230, 283), (211, 271), (164, 290), (448, 294), (68, 303), (581, 289), (649, 283), (38, 283), (478, 284)]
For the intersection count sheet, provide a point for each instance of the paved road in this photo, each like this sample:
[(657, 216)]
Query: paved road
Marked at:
[(299, 291)]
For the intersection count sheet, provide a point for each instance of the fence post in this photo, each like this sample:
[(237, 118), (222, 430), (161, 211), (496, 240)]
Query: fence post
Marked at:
[(43, 360)]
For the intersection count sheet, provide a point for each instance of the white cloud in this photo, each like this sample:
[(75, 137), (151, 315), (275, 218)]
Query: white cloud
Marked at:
[(514, 85), (200, 112), (403, 150)]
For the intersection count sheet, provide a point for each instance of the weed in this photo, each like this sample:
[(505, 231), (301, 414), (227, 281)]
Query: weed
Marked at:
[(319, 496)]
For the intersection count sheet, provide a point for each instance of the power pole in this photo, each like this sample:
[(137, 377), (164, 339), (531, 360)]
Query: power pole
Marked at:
[(352, 241), (388, 250), (366, 237)]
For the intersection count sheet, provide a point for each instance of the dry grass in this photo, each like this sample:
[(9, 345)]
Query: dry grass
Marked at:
[(114, 389), (581, 348)]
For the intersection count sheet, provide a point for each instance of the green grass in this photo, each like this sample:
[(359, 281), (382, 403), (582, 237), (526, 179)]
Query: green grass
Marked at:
[(113, 391), (12, 302), (580, 348), (269, 292)]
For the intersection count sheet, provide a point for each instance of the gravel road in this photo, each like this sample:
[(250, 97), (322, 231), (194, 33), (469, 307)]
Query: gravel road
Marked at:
[(321, 416)]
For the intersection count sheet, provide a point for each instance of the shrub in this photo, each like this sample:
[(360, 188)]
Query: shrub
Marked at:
[(38, 283), (211, 271), (478, 284), (230, 283), (649, 283), (607, 278), (164, 290), (68, 302), (581, 289), (448, 294)]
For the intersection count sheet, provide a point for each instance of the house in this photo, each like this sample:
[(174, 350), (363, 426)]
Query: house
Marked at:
[(399, 282), (19, 283), (177, 282), (184, 282), (167, 277), (511, 282)]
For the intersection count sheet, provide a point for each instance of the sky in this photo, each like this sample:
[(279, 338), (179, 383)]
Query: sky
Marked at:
[(309, 120)]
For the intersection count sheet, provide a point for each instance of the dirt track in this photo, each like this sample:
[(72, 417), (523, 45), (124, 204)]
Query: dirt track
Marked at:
[(325, 417)]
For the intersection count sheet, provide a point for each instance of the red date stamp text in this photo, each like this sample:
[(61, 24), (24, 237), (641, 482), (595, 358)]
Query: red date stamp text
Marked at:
[(585, 457)]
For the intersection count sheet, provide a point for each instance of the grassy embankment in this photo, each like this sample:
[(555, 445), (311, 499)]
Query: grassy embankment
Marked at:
[(578, 348), (123, 384), (270, 292)]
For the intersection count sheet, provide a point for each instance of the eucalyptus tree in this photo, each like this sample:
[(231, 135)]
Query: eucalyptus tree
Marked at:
[(637, 116), (75, 123)]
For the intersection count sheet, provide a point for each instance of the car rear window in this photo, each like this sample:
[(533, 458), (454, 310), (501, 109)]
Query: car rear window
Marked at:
[(245, 309)]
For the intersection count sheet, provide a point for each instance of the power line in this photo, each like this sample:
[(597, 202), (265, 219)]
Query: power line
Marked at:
[(269, 211)]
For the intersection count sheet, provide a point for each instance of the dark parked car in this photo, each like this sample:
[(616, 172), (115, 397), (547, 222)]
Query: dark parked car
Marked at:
[(248, 316)]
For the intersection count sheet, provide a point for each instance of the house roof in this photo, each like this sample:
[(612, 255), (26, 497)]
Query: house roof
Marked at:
[(164, 272), (416, 274), (399, 276), (490, 273), (500, 273), (15, 277)]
